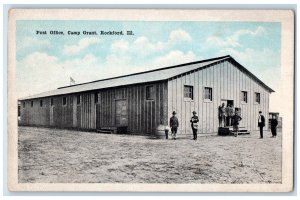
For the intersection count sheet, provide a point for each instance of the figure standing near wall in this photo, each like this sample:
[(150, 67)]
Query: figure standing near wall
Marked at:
[(194, 123), (261, 124), (174, 124), (274, 124), (221, 110), (235, 123)]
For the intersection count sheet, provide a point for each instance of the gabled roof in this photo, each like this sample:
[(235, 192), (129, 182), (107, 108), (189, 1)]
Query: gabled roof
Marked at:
[(143, 77)]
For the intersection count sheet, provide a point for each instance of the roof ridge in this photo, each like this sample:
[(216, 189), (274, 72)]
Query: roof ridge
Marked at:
[(153, 70)]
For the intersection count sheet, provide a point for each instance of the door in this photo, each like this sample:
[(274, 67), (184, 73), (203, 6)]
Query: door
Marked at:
[(121, 113), (230, 102), (51, 115)]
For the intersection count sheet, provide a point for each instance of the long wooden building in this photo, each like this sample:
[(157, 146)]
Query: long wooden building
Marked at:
[(141, 101)]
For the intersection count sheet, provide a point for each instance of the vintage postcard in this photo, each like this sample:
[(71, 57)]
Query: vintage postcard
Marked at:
[(151, 100)]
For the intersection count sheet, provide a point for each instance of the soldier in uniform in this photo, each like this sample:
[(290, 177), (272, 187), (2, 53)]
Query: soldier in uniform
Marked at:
[(235, 123), (221, 110), (174, 125), (194, 123)]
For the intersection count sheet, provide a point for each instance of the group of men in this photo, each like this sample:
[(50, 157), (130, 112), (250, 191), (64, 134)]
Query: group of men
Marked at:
[(174, 124), (227, 117)]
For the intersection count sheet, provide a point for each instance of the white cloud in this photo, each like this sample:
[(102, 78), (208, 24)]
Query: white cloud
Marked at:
[(178, 36), (120, 45), (143, 46), (265, 64), (175, 57), (40, 72), (32, 42), (81, 45), (233, 40)]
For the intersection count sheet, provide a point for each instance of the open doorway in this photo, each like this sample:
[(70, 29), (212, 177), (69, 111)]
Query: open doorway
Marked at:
[(229, 108)]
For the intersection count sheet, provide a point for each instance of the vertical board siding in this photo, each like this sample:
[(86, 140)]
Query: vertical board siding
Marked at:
[(227, 81), (143, 115)]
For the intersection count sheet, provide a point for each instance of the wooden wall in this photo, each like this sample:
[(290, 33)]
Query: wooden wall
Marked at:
[(227, 82), (143, 115)]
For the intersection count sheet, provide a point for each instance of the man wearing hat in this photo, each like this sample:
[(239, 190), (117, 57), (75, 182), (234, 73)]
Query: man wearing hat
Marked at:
[(235, 123), (261, 124), (174, 125), (194, 123)]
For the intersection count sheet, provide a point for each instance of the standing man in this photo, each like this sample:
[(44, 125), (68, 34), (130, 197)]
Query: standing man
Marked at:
[(222, 115), (235, 123), (274, 124), (261, 124), (174, 125), (231, 114), (194, 123)]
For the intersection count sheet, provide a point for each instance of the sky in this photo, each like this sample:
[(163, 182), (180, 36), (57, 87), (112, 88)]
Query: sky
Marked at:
[(47, 61)]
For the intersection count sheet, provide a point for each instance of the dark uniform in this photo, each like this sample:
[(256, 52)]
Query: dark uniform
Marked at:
[(193, 121), (261, 124), (174, 125), (235, 123), (274, 124)]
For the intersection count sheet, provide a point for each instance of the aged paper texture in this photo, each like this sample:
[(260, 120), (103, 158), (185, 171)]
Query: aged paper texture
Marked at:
[(72, 127)]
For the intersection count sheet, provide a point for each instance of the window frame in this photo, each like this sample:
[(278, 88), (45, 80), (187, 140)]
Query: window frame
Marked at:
[(152, 97), (243, 96), (255, 98), (31, 103), (64, 104), (211, 94), (78, 99), (190, 97), (96, 97), (51, 102), (41, 103)]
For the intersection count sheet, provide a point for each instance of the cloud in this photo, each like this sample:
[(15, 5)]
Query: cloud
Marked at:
[(40, 72), (265, 63), (143, 46), (33, 42), (81, 45), (120, 45), (175, 57), (233, 40), (179, 35)]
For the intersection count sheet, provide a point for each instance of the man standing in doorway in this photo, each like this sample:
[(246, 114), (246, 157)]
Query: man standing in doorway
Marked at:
[(222, 115), (261, 124), (174, 125)]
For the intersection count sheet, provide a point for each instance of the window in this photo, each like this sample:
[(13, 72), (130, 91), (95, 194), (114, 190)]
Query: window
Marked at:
[(51, 102), (257, 97), (23, 104), (96, 97), (64, 101), (150, 92), (31, 103), (41, 103), (188, 92), (244, 96), (78, 99), (208, 93)]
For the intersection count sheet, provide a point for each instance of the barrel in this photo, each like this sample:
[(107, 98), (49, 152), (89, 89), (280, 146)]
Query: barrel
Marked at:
[(160, 132)]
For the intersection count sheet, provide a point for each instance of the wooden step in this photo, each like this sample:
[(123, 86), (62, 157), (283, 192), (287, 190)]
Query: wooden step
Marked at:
[(104, 131)]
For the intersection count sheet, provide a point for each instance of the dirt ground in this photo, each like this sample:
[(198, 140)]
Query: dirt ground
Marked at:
[(66, 156)]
